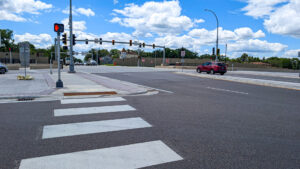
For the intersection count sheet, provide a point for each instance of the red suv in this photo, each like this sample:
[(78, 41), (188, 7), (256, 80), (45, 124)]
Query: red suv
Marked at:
[(212, 67)]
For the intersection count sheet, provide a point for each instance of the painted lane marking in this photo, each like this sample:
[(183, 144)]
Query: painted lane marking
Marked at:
[(92, 110), (122, 157), (92, 100), (73, 129), (225, 90)]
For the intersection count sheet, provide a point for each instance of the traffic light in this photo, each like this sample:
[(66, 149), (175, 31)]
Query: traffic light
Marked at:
[(100, 41), (140, 45), (64, 39), (58, 27), (74, 40), (144, 45), (130, 43), (213, 51), (65, 47), (218, 52), (86, 41), (113, 42), (153, 46)]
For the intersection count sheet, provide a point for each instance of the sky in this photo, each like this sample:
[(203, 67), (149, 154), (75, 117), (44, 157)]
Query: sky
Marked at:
[(261, 28)]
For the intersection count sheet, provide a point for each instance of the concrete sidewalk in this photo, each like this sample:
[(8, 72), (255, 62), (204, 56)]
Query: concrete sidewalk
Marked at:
[(10, 87), (74, 83), (78, 84), (261, 82)]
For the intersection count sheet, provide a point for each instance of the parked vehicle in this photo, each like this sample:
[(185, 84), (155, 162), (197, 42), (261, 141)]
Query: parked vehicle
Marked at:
[(92, 63), (3, 68), (67, 61), (212, 67)]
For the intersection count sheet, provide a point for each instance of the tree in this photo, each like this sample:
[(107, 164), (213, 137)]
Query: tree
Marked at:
[(115, 53), (103, 53), (7, 40), (244, 57)]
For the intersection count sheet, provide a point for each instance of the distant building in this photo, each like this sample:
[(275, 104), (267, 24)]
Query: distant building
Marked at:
[(106, 60), (131, 55)]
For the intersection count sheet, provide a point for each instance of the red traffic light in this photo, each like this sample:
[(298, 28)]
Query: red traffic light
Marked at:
[(58, 27)]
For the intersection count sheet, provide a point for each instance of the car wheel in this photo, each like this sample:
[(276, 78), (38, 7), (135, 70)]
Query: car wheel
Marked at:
[(213, 72), (208, 72), (2, 71), (199, 70)]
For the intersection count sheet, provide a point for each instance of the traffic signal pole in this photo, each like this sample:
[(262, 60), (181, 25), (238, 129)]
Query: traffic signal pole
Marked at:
[(59, 83), (71, 66)]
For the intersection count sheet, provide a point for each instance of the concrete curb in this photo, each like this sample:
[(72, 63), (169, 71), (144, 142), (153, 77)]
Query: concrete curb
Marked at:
[(260, 82)]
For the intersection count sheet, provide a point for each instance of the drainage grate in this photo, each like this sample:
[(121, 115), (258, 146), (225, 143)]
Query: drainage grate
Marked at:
[(25, 99)]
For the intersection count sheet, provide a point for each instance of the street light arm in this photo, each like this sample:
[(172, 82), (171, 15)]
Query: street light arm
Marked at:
[(217, 42)]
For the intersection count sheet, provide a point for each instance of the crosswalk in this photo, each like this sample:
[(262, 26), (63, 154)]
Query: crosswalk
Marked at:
[(130, 156)]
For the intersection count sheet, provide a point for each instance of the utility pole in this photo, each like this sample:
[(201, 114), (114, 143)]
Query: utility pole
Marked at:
[(71, 67), (164, 56), (217, 42), (225, 52)]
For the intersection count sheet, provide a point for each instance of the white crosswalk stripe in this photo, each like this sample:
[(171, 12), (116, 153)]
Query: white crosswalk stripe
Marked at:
[(92, 100), (92, 110), (73, 129), (122, 157)]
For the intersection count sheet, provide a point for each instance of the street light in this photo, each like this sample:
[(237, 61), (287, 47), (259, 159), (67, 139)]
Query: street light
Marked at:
[(71, 66), (217, 42)]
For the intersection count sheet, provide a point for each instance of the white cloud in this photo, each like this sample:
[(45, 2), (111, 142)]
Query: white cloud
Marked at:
[(256, 46), (77, 25), (285, 20), (12, 10), (291, 53), (86, 12), (261, 8), (39, 41), (199, 21), (247, 33), (116, 1), (280, 16), (80, 11), (11, 17), (154, 17), (209, 37)]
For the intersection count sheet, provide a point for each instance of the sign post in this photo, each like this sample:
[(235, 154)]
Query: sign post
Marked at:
[(182, 57), (24, 54), (299, 66)]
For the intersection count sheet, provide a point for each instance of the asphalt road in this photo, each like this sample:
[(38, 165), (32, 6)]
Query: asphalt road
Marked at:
[(210, 123)]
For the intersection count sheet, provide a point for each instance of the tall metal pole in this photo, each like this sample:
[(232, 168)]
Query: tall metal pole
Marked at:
[(217, 42), (225, 52), (59, 83), (164, 56), (71, 67)]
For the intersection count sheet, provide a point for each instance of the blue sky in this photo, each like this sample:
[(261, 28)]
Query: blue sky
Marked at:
[(270, 28)]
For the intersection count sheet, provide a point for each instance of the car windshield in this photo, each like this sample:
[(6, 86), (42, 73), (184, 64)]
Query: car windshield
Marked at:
[(221, 64)]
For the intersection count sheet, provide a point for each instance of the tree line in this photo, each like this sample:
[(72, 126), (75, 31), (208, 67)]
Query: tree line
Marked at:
[(8, 42)]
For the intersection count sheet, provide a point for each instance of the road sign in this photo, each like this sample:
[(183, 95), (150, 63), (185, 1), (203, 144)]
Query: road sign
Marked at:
[(123, 55), (24, 54), (183, 53)]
